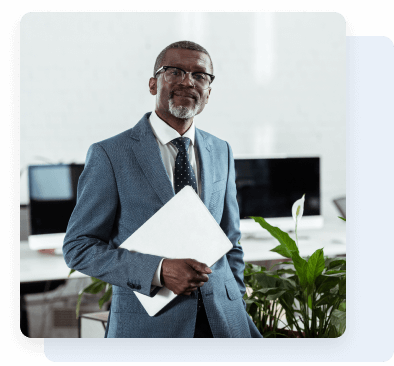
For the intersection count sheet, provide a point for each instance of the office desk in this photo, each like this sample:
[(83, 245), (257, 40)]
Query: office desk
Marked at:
[(37, 266), (332, 238)]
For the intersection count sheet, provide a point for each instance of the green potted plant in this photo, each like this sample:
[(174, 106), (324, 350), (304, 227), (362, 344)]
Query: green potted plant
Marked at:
[(95, 287), (306, 298), (308, 293)]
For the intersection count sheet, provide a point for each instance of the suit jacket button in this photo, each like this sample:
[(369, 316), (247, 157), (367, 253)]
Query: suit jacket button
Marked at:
[(138, 287)]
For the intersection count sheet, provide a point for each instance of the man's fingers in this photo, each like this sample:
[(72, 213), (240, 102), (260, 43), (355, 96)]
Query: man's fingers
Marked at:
[(198, 266), (201, 278), (197, 279), (182, 276)]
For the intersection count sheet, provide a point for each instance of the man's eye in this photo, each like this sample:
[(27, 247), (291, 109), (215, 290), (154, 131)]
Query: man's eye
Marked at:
[(175, 72), (199, 76)]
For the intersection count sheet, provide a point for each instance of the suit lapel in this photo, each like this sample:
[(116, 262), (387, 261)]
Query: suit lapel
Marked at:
[(148, 155), (206, 165)]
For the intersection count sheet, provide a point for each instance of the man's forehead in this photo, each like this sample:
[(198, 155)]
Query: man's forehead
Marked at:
[(188, 59)]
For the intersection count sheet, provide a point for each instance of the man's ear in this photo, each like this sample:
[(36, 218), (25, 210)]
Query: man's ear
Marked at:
[(153, 86), (209, 93)]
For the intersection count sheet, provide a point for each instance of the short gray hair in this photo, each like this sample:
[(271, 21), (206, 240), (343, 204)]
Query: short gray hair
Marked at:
[(186, 45)]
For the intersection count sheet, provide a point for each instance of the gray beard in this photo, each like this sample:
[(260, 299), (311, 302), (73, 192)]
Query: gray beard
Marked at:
[(182, 111)]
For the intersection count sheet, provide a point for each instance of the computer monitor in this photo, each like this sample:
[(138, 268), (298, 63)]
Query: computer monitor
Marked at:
[(340, 203), (53, 195), (268, 187)]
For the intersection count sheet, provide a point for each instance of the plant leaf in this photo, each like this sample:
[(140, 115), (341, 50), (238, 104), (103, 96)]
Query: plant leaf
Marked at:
[(310, 302), (276, 295), (338, 320), (337, 268), (326, 299), (271, 293), (300, 265), (323, 283), (287, 244), (335, 262), (287, 270), (251, 269), (342, 218), (332, 332), (315, 266), (335, 274), (287, 302), (265, 280), (268, 290), (288, 284), (106, 297), (95, 287), (342, 286), (280, 263), (335, 290), (282, 250), (334, 271), (72, 271), (319, 314)]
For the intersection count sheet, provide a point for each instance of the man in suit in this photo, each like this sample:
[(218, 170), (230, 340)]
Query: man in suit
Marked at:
[(129, 177)]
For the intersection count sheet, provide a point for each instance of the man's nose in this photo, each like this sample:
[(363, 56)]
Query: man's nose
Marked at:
[(188, 80)]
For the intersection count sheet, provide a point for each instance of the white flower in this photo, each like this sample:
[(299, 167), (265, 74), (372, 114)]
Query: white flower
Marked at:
[(298, 209)]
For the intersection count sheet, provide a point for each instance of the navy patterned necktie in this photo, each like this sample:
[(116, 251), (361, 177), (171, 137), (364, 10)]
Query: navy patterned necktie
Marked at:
[(184, 176), (183, 172)]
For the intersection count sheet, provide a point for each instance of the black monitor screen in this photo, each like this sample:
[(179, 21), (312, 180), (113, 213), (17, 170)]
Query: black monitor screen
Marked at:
[(269, 187), (53, 195)]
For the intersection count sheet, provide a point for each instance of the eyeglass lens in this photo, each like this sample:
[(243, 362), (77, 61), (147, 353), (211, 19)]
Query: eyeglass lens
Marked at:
[(173, 75)]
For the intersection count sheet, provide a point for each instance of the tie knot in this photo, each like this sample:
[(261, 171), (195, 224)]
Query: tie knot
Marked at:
[(181, 143)]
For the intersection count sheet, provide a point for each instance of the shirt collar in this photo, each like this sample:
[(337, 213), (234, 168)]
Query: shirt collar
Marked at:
[(166, 133)]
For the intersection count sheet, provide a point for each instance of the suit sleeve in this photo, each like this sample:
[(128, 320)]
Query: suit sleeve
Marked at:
[(230, 225), (86, 245)]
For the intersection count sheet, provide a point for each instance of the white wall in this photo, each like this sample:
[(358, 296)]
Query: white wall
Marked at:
[(279, 88)]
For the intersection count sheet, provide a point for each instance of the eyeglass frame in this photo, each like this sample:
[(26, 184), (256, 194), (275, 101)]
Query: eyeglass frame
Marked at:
[(186, 72)]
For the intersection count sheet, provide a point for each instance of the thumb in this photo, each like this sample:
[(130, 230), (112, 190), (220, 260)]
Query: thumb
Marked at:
[(198, 266)]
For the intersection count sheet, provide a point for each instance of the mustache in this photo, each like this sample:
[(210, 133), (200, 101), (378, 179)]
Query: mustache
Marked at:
[(183, 92)]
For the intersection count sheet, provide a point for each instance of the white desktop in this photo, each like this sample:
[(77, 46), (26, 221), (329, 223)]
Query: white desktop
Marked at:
[(47, 241), (250, 228)]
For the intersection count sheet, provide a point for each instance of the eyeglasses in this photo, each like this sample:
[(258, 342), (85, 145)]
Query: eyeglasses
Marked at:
[(175, 75)]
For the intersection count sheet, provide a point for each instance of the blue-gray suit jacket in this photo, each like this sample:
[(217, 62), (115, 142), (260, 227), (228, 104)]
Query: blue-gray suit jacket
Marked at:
[(123, 184)]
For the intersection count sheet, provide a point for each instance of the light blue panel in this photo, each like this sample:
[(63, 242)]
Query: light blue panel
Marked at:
[(51, 183)]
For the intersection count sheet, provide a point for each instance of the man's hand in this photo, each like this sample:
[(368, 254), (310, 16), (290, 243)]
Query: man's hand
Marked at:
[(182, 276)]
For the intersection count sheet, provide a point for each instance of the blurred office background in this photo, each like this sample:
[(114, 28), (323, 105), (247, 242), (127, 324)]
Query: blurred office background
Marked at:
[(279, 89)]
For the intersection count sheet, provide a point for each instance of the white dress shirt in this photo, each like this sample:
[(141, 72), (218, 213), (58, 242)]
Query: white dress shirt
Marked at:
[(164, 133)]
